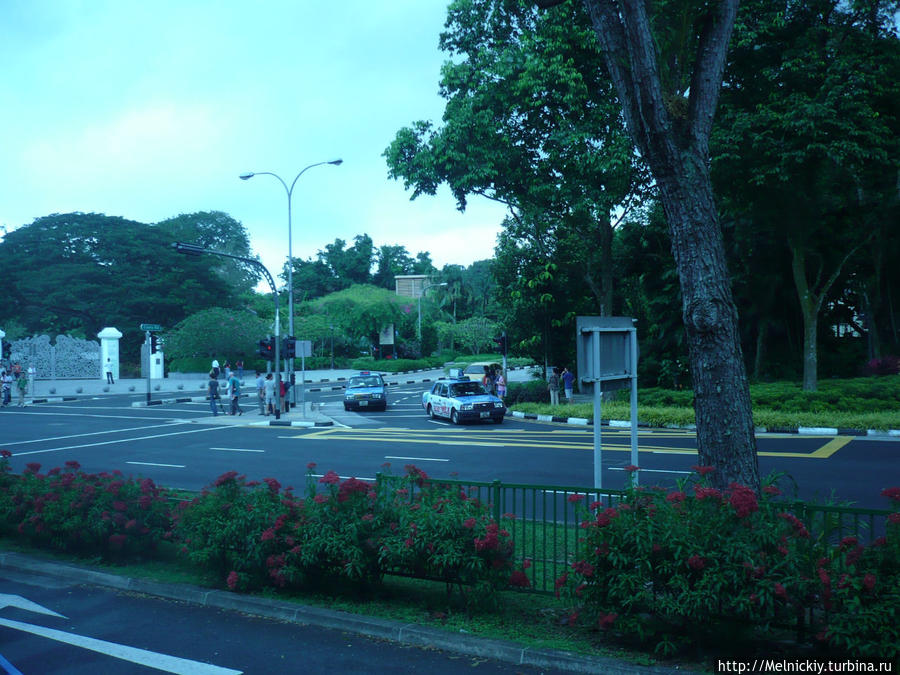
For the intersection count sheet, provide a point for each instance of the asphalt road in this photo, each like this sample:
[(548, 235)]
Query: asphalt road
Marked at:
[(50, 626), (176, 446)]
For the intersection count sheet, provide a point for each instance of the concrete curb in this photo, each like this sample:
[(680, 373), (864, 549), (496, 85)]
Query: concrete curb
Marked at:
[(801, 431), (387, 629)]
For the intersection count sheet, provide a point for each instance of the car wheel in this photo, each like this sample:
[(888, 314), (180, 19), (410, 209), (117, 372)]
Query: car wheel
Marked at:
[(454, 417), (430, 412), (346, 407), (498, 420)]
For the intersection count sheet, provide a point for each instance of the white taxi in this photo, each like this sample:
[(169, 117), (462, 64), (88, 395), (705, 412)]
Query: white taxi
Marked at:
[(462, 400)]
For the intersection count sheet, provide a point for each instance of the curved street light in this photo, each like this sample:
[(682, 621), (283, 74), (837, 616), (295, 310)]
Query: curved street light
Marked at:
[(290, 191)]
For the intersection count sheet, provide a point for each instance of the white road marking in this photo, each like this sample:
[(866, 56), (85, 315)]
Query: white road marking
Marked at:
[(618, 468), (24, 603), (171, 466), (237, 449), (123, 440), (418, 459), (143, 657), (91, 433)]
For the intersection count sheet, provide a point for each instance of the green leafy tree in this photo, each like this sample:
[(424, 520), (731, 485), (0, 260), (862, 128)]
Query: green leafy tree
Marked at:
[(76, 273), (219, 232), (361, 312), (810, 109), (217, 333), (391, 261), (349, 265)]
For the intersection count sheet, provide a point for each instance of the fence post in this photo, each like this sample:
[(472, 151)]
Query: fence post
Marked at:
[(495, 490)]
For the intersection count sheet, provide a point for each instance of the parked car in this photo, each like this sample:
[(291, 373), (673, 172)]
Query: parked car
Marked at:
[(366, 390), (475, 371), (462, 400)]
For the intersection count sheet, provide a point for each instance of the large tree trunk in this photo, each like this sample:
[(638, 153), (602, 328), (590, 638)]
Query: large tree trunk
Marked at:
[(671, 131)]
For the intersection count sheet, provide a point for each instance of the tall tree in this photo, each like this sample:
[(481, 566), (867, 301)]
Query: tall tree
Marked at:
[(391, 261), (810, 109), (220, 232), (666, 61), (350, 265), (78, 272)]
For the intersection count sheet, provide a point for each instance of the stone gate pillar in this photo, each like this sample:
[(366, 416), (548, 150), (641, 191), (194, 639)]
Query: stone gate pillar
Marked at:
[(109, 349)]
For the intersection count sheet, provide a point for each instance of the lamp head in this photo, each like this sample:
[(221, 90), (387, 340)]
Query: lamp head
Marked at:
[(336, 162), (246, 176)]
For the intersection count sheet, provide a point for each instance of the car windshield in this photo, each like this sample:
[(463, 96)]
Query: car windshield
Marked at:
[(370, 381), (466, 389)]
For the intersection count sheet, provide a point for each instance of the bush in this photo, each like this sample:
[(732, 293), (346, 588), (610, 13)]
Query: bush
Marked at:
[(395, 365), (534, 391), (888, 365), (697, 564), (67, 509)]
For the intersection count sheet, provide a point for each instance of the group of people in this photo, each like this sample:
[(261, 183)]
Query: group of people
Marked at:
[(11, 379), (231, 390), (494, 382), (568, 382)]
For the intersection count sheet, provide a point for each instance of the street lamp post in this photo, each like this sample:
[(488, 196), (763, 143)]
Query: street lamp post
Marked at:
[(197, 249), (419, 324), (289, 191)]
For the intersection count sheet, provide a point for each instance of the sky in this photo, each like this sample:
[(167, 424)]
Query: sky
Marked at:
[(147, 110)]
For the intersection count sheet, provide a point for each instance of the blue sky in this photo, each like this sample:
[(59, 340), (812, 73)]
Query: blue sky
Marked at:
[(150, 109)]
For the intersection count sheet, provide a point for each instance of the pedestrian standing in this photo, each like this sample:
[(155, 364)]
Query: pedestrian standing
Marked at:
[(235, 384), (227, 368), (215, 368), (261, 392), (270, 394), (6, 387), (213, 388), (109, 371), (21, 386), (240, 369), (501, 384), (553, 386), (568, 380)]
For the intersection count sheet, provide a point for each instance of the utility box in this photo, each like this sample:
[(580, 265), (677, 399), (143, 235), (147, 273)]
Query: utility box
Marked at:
[(606, 351)]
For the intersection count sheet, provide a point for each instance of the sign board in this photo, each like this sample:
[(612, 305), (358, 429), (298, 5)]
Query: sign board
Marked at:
[(304, 348), (605, 351), (150, 326), (386, 336)]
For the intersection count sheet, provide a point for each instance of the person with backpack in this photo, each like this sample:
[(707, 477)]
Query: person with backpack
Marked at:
[(212, 388)]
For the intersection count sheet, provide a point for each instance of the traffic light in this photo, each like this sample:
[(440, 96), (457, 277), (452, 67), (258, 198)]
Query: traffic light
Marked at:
[(154, 343), (267, 348), (289, 347), (502, 343), (7, 350)]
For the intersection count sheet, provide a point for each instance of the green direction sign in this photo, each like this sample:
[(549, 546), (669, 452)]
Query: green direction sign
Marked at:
[(150, 326)]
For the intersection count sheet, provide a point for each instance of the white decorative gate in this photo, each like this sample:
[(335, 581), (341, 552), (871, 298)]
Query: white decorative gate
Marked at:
[(68, 358)]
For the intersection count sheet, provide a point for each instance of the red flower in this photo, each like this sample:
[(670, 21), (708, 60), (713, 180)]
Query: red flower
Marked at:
[(268, 534), (779, 591), (469, 523), (607, 620), (892, 493), (696, 563), (320, 499), (631, 468), (583, 568), (771, 490), (675, 497), (703, 470), (573, 499), (330, 478), (274, 485), (894, 518), (5, 454), (232, 580), (869, 581), (71, 464), (32, 467), (707, 493), (519, 579), (743, 500), (227, 477), (311, 466)]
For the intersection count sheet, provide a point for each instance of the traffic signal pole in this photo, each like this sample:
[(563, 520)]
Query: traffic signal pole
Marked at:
[(197, 250)]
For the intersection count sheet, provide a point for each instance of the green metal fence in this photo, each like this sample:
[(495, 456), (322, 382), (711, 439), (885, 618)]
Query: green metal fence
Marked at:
[(545, 526)]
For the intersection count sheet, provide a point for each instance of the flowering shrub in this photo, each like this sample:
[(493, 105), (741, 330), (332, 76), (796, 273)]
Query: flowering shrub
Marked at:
[(663, 563), (438, 532), (102, 514), (222, 529), (860, 592), (688, 562)]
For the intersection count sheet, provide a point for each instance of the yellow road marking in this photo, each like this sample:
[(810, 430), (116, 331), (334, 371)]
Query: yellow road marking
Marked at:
[(523, 439)]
